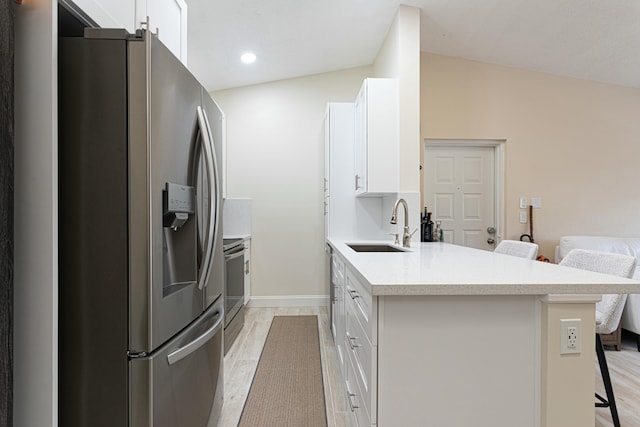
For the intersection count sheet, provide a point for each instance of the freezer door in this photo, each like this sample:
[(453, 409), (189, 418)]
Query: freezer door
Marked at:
[(173, 196), (181, 385)]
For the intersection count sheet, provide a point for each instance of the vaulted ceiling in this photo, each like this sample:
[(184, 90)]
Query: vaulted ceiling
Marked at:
[(589, 39)]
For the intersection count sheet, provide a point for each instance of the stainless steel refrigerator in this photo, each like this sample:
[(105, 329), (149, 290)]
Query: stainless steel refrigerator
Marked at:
[(140, 253)]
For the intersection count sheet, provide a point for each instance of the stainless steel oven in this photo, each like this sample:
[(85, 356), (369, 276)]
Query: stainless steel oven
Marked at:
[(234, 290)]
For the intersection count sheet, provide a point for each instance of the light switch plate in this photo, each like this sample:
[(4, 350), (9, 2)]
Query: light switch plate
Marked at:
[(523, 202), (523, 217)]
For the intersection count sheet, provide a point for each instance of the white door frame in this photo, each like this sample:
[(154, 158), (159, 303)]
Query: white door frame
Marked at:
[(498, 150)]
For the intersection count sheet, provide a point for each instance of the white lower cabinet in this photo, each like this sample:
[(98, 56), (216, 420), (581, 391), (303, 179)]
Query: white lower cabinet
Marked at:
[(247, 271), (363, 305), (354, 327), (362, 357), (338, 314), (355, 397)]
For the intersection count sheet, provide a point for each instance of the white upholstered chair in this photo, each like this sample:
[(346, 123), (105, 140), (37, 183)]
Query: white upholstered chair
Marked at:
[(608, 311), (517, 248)]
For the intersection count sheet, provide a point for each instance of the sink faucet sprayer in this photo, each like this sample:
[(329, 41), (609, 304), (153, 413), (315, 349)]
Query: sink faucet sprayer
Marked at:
[(406, 236)]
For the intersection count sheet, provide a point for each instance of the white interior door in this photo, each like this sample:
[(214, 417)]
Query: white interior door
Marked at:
[(460, 190)]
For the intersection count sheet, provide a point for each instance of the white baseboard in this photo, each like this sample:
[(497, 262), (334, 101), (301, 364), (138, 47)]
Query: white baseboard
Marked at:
[(289, 301)]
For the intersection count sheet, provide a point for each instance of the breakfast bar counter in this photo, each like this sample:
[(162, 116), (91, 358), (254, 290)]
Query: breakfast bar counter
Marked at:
[(443, 335), (445, 269)]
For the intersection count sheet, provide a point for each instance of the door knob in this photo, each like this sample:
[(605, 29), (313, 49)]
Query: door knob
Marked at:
[(491, 230), (490, 241)]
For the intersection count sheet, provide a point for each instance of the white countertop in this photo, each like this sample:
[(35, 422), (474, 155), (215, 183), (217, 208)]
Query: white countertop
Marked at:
[(446, 269)]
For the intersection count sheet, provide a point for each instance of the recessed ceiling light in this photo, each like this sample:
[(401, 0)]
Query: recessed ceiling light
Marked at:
[(248, 58)]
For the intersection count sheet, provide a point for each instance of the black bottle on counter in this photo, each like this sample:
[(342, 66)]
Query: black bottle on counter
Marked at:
[(427, 235)]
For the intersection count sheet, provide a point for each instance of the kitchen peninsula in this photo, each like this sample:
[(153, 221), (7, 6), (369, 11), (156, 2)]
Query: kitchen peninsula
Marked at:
[(446, 335)]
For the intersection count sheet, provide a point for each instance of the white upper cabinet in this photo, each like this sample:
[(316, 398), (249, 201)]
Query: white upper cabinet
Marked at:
[(169, 19), (110, 13), (376, 138), (339, 208), (166, 17)]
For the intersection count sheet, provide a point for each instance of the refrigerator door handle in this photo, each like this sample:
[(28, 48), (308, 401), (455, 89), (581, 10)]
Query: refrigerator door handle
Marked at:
[(215, 170), (206, 143), (179, 354)]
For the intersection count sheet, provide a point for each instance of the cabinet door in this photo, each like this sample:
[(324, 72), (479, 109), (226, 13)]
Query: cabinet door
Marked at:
[(327, 162), (110, 13), (339, 140), (360, 179), (377, 138), (169, 19), (340, 323), (247, 271)]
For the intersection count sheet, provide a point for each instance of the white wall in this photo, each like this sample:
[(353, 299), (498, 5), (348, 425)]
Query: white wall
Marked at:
[(399, 57), (275, 150), (36, 218)]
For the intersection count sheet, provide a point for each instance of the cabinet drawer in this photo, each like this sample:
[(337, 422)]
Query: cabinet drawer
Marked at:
[(355, 398), (357, 343), (363, 359), (360, 296)]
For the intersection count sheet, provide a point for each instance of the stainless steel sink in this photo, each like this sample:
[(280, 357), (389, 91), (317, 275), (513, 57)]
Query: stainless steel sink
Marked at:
[(369, 247)]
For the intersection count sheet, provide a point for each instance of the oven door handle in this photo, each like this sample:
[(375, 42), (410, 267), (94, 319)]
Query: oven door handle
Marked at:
[(233, 255), (179, 354)]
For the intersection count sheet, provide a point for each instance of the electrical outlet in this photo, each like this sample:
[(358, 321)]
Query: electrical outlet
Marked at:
[(570, 336)]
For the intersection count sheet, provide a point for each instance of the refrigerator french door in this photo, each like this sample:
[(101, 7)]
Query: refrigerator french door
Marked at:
[(141, 263)]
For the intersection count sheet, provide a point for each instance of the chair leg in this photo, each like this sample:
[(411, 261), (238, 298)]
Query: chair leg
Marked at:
[(606, 379), (638, 341)]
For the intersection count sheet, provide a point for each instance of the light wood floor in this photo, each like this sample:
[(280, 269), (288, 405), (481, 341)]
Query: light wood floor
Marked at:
[(242, 359), (624, 368)]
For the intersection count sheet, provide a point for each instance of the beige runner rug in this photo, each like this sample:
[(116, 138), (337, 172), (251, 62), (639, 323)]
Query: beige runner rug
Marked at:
[(287, 388)]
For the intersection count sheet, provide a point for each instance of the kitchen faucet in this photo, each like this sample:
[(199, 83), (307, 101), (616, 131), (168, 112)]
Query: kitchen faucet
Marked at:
[(406, 236)]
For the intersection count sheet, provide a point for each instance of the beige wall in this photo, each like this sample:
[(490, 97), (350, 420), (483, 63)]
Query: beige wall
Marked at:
[(574, 143), (275, 152), (399, 57)]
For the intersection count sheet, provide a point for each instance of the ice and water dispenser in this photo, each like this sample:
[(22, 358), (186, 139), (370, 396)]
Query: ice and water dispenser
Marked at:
[(179, 238)]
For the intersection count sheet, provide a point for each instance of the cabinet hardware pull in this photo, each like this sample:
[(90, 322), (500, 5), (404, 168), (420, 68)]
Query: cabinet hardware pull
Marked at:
[(353, 294), (357, 179), (351, 405)]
